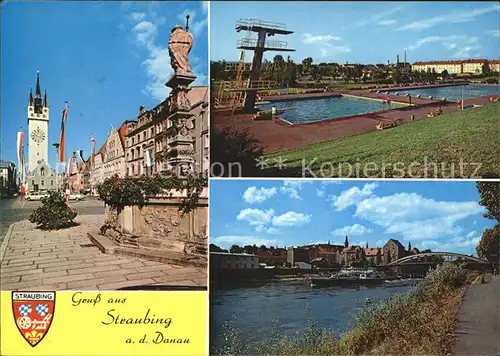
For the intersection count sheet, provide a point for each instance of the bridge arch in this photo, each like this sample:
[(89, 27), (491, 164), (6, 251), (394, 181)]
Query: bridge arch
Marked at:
[(411, 258)]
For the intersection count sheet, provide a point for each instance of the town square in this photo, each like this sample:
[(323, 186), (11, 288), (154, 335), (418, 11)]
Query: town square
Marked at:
[(86, 133)]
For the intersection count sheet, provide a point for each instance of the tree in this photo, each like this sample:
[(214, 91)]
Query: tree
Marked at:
[(445, 75), (236, 249), (215, 248), (54, 214), (306, 63), (396, 76), (235, 150), (489, 244), (490, 199)]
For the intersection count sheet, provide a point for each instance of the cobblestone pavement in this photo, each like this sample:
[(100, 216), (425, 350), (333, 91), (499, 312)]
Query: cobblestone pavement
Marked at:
[(66, 259)]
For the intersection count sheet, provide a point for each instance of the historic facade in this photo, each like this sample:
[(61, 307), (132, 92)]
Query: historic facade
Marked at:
[(148, 137), (97, 171), (42, 178), (392, 251), (114, 153), (140, 149)]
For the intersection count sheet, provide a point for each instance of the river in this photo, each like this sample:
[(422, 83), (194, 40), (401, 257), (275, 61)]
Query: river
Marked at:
[(255, 309)]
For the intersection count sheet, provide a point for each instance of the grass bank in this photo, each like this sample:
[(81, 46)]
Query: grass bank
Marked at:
[(420, 322), (467, 138)]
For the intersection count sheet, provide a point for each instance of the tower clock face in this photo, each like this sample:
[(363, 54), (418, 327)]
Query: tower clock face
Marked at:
[(38, 135)]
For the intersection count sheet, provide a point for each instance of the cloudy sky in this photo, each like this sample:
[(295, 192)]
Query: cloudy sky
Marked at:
[(442, 216), (366, 32), (105, 58)]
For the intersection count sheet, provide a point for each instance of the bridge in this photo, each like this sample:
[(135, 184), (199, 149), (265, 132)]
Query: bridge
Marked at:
[(436, 258)]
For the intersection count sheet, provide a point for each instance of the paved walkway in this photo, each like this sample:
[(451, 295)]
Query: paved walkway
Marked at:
[(478, 331), (66, 259)]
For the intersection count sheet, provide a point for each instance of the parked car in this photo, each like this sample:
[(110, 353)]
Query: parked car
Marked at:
[(76, 196), (36, 196)]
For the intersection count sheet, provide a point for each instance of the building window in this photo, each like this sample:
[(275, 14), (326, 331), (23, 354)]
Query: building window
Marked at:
[(42, 172), (42, 182), (132, 140), (152, 132), (51, 182), (33, 182)]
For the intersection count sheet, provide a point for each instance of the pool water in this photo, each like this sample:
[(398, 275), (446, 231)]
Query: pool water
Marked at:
[(454, 92), (327, 108)]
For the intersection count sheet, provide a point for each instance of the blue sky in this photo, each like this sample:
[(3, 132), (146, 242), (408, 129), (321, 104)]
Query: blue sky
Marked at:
[(366, 32), (105, 58), (442, 216)]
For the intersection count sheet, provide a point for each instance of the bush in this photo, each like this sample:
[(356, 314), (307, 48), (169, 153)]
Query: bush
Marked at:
[(54, 213)]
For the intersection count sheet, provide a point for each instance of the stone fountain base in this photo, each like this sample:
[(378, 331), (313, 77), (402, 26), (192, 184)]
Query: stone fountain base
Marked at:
[(157, 232)]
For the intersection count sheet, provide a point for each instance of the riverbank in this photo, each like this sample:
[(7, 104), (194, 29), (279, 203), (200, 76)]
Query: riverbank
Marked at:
[(421, 321)]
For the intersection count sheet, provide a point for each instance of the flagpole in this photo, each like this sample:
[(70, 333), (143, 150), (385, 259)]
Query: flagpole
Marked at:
[(65, 140)]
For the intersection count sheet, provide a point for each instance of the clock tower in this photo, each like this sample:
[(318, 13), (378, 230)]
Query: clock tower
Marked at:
[(38, 127)]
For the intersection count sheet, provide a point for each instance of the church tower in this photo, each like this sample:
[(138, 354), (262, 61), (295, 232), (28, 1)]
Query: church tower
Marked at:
[(38, 127)]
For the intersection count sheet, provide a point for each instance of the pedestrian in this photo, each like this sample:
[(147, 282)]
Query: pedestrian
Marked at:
[(21, 192), (273, 112)]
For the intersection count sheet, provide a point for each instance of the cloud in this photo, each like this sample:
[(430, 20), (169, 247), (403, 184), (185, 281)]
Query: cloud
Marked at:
[(452, 17), (255, 216), (258, 195), (269, 230), (352, 196), (196, 24), (379, 18), (455, 244), (291, 218), (471, 234), (330, 50), (137, 16), (495, 33), (227, 241), (321, 192), (292, 187), (352, 230), (145, 26), (450, 42), (325, 48), (204, 6), (386, 22), (312, 39), (415, 217), (467, 52)]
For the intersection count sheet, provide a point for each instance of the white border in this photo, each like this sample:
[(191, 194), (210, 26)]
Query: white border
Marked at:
[(208, 183), (360, 179)]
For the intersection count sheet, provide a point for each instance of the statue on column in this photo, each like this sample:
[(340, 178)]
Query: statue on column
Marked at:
[(179, 46)]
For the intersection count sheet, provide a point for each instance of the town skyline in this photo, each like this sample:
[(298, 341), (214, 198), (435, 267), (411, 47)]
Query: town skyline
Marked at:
[(114, 59), (286, 213), (427, 31)]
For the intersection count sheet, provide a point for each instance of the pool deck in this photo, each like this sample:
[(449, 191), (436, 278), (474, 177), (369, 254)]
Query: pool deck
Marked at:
[(278, 136)]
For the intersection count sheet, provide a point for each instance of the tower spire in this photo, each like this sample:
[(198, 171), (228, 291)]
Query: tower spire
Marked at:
[(38, 93), (346, 242), (31, 97)]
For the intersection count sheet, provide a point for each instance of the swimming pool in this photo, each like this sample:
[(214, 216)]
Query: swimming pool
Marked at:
[(327, 108), (454, 92)]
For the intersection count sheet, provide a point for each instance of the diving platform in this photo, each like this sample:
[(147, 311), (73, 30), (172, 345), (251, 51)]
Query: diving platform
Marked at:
[(252, 45), (270, 27)]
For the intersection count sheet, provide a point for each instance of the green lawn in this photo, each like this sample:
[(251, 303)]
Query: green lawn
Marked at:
[(458, 145)]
